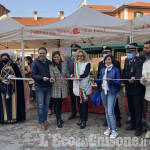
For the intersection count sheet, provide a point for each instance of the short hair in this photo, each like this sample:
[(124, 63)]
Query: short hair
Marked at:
[(112, 59), (42, 48), (147, 42), (5, 54)]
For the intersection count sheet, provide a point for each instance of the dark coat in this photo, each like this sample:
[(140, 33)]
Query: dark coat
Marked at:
[(133, 70), (40, 70), (21, 116), (70, 64)]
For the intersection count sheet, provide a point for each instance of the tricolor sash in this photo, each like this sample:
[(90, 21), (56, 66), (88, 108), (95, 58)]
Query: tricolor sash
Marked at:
[(83, 95)]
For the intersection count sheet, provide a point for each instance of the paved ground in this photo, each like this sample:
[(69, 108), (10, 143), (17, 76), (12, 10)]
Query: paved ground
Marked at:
[(27, 136)]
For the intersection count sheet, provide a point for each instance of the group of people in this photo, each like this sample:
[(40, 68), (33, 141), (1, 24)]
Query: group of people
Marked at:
[(52, 80)]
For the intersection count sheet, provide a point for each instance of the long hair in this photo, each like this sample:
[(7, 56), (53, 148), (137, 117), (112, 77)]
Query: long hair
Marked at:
[(30, 60), (53, 54), (85, 56)]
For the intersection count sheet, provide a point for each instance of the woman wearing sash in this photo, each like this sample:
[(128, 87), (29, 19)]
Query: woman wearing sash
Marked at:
[(12, 105), (82, 88)]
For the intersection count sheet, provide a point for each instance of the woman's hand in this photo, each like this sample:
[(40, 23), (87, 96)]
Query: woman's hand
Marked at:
[(108, 79), (92, 79), (71, 76), (51, 80)]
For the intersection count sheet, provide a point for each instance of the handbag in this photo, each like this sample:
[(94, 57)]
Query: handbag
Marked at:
[(96, 98)]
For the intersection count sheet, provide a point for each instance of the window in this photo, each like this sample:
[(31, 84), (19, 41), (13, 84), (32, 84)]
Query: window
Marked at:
[(119, 16), (138, 14)]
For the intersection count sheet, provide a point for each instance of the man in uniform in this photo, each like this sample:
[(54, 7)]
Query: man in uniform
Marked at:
[(108, 51), (70, 64), (135, 91)]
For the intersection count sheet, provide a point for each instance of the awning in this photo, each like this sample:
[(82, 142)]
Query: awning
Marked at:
[(114, 46)]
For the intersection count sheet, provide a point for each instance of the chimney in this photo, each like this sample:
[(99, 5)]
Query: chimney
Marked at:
[(117, 5), (35, 15), (61, 15)]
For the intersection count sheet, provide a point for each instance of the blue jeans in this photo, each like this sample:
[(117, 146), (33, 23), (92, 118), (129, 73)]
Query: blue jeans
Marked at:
[(109, 104), (43, 100)]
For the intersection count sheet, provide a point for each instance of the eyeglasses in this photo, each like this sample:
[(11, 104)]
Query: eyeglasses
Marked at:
[(79, 56)]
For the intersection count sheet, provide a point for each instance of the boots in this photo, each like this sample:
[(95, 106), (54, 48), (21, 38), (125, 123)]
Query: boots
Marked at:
[(59, 123)]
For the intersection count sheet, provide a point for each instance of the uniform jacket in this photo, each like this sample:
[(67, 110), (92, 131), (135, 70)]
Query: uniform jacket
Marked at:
[(133, 70), (146, 74), (59, 87), (113, 85), (70, 64), (40, 70)]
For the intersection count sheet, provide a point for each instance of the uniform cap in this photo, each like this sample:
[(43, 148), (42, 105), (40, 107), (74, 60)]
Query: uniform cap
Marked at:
[(106, 49)]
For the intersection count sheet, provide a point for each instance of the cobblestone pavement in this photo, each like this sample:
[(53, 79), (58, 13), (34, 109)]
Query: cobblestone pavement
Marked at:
[(27, 135)]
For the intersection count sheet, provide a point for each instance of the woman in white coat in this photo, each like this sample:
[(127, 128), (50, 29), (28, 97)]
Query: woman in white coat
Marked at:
[(82, 88), (146, 83)]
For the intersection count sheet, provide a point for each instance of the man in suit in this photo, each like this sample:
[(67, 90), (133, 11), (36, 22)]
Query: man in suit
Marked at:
[(70, 64), (135, 91), (108, 51)]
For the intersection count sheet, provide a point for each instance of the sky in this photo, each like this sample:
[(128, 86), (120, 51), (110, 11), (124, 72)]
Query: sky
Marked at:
[(50, 8)]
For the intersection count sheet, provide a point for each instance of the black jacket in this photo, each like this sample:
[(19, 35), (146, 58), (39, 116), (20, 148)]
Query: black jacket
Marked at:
[(133, 70), (40, 70)]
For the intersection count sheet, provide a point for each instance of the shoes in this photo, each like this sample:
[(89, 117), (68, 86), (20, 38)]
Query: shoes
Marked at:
[(105, 124), (61, 121), (71, 117), (79, 123), (46, 123), (138, 133), (131, 127), (59, 124), (118, 123), (114, 134), (83, 125), (107, 132), (50, 112), (43, 127), (147, 135)]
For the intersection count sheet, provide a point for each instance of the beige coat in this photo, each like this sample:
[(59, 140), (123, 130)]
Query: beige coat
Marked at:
[(59, 87), (146, 74)]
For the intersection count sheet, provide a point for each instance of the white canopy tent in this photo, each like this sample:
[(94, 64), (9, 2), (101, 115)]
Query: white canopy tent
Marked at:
[(84, 27), (11, 31), (141, 29)]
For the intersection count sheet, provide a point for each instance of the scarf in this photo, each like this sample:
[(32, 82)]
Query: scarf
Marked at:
[(105, 84)]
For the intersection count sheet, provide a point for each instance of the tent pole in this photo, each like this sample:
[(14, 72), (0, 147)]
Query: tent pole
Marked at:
[(23, 66)]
